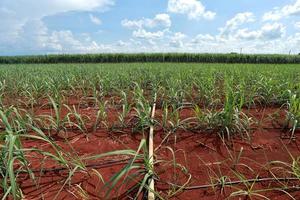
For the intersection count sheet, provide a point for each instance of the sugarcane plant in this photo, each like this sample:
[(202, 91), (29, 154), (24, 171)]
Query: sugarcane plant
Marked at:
[(228, 121), (142, 119), (293, 114)]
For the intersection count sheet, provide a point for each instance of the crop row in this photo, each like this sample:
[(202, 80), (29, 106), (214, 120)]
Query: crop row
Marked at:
[(228, 120), (205, 85), (154, 57)]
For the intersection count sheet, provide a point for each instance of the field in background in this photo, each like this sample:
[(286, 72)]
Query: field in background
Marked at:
[(154, 57), (79, 131)]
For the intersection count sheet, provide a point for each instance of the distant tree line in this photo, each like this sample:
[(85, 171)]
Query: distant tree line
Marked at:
[(153, 57)]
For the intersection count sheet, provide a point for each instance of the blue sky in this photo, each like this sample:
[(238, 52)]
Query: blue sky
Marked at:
[(95, 26)]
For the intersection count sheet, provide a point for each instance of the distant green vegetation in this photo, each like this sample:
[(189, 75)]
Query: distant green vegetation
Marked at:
[(153, 57)]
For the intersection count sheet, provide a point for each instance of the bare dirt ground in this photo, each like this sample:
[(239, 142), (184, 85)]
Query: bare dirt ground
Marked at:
[(193, 159)]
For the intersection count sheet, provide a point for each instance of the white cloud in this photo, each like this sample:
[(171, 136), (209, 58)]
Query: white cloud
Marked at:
[(176, 40), (270, 38), (272, 31), (266, 33), (294, 41), (233, 31), (65, 42), (95, 19), (143, 34), (38, 9), (135, 42), (273, 15), (238, 20), (132, 24), (36, 38), (16, 17), (121, 43), (194, 9), (176, 43), (246, 34), (34, 32), (297, 25), (285, 11), (178, 36), (160, 20), (203, 38), (281, 45)]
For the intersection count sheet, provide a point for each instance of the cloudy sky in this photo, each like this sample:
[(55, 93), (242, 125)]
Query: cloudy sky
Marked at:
[(92, 26)]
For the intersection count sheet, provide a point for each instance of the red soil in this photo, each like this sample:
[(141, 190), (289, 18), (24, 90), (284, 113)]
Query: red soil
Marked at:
[(203, 156)]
